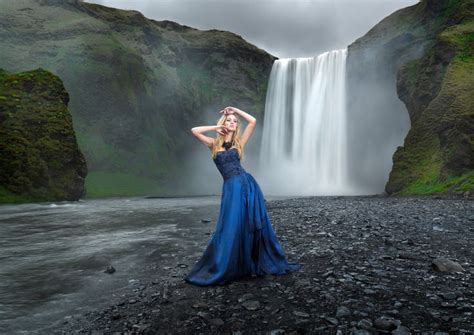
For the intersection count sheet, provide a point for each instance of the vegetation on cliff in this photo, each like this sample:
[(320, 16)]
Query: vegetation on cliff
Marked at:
[(423, 56), (39, 155), (137, 85), (438, 90)]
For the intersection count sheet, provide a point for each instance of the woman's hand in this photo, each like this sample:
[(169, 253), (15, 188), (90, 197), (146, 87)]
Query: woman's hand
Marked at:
[(222, 129), (228, 110)]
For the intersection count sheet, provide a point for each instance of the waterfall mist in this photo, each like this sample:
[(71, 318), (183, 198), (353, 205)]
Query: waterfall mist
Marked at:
[(304, 142), (313, 160)]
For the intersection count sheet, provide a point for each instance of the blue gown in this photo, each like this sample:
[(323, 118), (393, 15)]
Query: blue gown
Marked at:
[(244, 242)]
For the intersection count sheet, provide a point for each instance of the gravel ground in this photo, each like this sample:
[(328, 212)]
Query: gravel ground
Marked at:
[(371, 265)]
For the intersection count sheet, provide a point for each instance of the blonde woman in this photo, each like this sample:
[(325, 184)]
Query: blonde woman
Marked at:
[(244, 242)]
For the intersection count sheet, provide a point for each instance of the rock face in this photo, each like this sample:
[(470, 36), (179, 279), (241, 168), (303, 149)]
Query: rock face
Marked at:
[(137, 85), (39, 155), (422, 55)]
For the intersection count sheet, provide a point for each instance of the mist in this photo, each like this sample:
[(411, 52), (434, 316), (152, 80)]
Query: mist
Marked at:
[(283, 28), (300, 29)]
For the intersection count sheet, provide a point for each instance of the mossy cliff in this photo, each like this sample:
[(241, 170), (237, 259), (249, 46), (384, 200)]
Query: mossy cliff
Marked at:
[(424, 53), (136, 85), (39, 155)]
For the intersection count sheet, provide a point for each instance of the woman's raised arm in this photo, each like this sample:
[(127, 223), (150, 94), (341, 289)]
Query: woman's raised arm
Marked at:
[(250, 126), (198, 132), (208, 141)]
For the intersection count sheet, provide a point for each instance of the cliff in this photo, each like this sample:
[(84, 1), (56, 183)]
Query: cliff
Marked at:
[(39, 156), (423, 56), (136, 85)]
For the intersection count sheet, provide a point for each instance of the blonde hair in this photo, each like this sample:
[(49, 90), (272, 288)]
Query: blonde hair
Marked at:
[(236, 138)]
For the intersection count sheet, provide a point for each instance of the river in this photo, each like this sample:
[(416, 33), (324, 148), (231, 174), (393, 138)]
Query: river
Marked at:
[(53, 255)]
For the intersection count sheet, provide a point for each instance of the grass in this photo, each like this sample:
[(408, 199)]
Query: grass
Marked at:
[(109, 184), (7, 197), (457, 184), (435, 158)]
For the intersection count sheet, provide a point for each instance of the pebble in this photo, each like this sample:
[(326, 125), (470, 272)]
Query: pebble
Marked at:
[(343, 311), (109, 269), (251, 305), (301, 314), (370, 264), (446, 265)]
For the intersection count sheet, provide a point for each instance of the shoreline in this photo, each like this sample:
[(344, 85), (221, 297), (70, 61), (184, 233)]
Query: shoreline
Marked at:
[(367, 267)]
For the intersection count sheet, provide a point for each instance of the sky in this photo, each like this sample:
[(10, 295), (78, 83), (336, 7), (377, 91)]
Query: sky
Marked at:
[(283, 28)]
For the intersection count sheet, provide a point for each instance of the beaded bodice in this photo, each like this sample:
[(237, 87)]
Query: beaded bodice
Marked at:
[(228, 163)]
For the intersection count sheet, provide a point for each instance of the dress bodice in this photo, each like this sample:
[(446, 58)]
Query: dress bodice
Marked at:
[(228, 163)]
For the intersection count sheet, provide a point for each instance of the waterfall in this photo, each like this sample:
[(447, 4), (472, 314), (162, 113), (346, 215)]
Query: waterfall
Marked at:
[(304, 141)]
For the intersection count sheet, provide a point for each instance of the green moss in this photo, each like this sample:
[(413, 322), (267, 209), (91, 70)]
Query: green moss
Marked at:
[(438, 153), (412, 72), (8, 197), (449, 9), (40, 159), (462, 38), (465, 182), (432, 184), (425, 176)]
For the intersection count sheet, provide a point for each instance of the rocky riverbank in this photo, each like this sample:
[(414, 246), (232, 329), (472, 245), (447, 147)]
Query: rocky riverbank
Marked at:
[(370, 265)]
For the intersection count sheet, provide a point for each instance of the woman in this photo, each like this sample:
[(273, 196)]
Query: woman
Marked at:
[(244, 242)]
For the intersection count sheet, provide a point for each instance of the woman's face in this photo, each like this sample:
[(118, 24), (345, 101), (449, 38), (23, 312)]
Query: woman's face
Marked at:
[(231, 122)]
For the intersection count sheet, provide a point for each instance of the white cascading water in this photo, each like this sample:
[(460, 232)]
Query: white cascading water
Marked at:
[(304, 143)]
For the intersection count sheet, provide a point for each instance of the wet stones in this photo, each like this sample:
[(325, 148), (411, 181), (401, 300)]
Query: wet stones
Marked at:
[(251, 305), (343, 311), (332, 320), (446, 265), (369, 274), (216, 322), (301, 314), (364, 324), (386, 323), (109, 269)]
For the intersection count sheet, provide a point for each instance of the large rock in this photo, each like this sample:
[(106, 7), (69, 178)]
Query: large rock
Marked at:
[(39, 155), (423, 55), (137, 85), (446, 265)]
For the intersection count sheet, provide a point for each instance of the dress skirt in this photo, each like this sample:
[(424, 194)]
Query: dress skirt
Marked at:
[(244, 242)]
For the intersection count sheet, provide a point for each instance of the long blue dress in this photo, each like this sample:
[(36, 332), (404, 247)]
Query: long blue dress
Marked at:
[(244, 242)]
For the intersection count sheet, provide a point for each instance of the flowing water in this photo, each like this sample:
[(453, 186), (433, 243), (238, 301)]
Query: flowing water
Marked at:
[(52, 255), (304, 139)]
